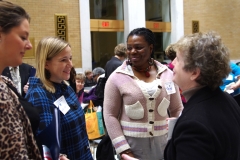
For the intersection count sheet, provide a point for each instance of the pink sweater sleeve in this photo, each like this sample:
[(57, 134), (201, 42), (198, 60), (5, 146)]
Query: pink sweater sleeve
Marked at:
[(176, 106), (111, 110)]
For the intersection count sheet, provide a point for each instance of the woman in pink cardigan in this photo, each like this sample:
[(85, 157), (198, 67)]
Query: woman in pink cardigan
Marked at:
[(137, 98)]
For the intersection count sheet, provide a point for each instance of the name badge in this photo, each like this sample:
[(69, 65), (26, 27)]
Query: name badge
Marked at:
[(170, 88), (62, 105)]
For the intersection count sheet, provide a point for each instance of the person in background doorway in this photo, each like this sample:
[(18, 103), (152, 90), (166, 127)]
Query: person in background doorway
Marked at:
[(136, 99), (48, 90), (20, 75), (209, 126), (16, 136), (116, 60)]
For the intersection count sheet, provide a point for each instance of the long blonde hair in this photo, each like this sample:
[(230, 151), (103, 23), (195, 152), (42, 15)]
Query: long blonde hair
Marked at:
[(48, 48)]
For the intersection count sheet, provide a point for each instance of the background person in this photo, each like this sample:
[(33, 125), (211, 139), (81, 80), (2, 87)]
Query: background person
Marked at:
[(53, 64), (97, 73), (80, 81), (20, 75), (89, 82), (136, 99), (116, 60), (209, 126), (171, 54), (232, 82), (16, 140)]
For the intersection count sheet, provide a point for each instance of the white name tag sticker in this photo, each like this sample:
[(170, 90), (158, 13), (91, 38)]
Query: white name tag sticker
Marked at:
[(62, 105), (170, 88)]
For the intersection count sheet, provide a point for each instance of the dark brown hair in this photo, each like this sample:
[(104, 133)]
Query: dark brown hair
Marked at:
[(170, 52), (11, 15)]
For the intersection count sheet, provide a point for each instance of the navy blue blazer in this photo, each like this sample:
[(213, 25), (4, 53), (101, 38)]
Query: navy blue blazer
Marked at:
[(25, 72), (208, 129)]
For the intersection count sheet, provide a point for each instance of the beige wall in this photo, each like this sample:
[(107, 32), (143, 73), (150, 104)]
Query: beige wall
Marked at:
[(42, 22), (219, 15), (222, 16)]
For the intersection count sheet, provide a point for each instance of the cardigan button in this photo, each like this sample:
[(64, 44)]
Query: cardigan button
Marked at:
[(151, 98), (150, 110), (151, 133), (159, 86), (151, 122), (74, 107)]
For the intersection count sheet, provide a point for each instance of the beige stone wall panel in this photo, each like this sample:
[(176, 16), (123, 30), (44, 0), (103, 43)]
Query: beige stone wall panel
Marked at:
[(219, 15), (42, 22)]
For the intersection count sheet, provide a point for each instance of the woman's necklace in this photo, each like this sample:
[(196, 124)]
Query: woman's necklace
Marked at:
[(146, 71)]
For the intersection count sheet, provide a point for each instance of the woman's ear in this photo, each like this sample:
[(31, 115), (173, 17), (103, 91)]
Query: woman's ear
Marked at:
[(195, 74), (47, 65), (151, 48), (0, 34)]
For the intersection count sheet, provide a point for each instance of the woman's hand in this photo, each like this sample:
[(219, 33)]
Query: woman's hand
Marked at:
[(63, 157), (169, 120), (25, 88), (127, 152), (127, 157)]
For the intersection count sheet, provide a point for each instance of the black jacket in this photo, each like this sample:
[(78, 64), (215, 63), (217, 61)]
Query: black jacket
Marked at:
[(208, 129), (25, 71), (111, 65)]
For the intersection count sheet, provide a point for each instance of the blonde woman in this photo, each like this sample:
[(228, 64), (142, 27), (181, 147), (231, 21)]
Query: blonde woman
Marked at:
[(53, 65)]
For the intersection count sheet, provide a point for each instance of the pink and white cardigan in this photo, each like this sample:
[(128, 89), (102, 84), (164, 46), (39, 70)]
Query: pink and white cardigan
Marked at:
[(129, 110)]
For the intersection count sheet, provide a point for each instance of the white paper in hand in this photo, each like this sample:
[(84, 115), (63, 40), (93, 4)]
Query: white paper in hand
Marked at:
[(228, 88), (46, 153), (84, 105), (171, 124)]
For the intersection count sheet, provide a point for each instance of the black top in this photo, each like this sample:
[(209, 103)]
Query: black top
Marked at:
[(208, 128), (89, 83), (25, 73), (111, 65)]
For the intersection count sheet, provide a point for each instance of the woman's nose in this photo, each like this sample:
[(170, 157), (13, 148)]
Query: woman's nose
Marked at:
[(28, 45), (70, 63), (174, 61), (133, 50)]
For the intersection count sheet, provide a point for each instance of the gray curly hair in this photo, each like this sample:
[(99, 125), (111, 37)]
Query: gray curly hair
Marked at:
[(98, 71), (206, 52)]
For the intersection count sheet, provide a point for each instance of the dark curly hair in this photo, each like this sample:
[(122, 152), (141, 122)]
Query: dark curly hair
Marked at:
[(208, 53), (147, 34)]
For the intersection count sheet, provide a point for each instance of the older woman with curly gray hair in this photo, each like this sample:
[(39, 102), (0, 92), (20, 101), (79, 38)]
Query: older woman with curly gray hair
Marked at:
[(209, 126)]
